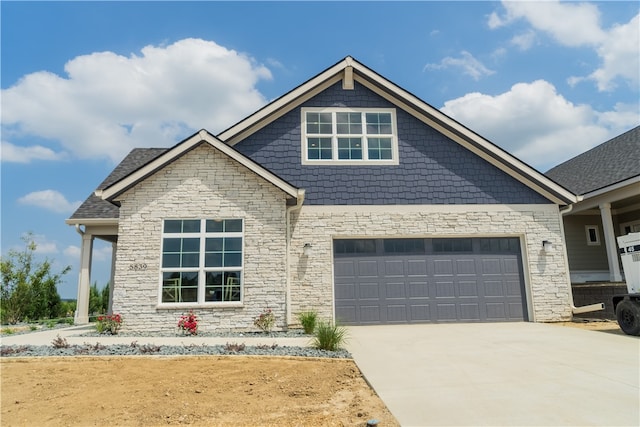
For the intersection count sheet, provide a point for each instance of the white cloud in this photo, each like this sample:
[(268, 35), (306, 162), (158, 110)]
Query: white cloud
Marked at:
[(72, 251), (51, 200), (109, 103), (469, 65), (578, 25), (538, 125), (524, 41), (17, 154)]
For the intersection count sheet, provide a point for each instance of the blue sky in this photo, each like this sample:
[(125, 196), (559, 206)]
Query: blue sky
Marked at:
[(85, 82)]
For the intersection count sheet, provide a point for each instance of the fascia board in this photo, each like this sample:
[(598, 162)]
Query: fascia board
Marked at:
[(613, 187), (284, 104), (91, 221), (129, 181)]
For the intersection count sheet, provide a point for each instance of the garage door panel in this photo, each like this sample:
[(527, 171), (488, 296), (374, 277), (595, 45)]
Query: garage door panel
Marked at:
[(346, 291), (468, 288), (469, 311), (368, 291), (467, 283), (465, 267), (491, 266), (370, 314), (445, 290), (446, 312), (511, 266), (512, 288), (418, 290), (367, 268), (515, 310), (493, 288), (495, 311), (395, 291), (346, 314), (397, 314), (443, 267), (416, 267), (420, 312), (393, 268), (344, 268)]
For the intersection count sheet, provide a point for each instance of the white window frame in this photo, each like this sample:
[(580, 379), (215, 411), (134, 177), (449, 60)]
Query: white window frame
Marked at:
[(587, 229), (334, 137), (201, 269)]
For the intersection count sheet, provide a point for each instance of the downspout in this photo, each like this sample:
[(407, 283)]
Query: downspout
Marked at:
[(289, 211), (574, 309)]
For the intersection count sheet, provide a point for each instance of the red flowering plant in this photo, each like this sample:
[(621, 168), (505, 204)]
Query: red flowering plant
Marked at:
[(188, 323), (109, 324)]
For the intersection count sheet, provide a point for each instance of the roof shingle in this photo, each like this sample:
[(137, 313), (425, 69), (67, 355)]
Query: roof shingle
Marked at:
[(610, 162)]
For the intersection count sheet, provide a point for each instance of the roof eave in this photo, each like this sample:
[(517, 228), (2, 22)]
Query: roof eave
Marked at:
[(113, 191)]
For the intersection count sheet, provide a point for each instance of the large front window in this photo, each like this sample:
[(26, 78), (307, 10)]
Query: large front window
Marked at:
[(202, 261), (348, 136)]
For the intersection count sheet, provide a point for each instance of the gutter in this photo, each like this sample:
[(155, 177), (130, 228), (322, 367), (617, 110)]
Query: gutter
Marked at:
[(587, 308), (287, 257)]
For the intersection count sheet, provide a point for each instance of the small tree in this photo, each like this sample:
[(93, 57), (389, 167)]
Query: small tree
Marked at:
[(28, 289)]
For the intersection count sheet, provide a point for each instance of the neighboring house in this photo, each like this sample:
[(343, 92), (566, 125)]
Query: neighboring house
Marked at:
[(347, 195), (607, 180)]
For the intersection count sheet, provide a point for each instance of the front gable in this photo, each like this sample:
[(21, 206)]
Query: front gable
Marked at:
[(440, 160), (431, 168)]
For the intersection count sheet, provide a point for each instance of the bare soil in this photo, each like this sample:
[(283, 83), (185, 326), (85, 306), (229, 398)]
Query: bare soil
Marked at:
[(193, 390)]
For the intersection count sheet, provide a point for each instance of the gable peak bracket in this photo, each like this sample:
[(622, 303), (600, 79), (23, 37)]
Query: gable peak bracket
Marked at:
[(347, 78)]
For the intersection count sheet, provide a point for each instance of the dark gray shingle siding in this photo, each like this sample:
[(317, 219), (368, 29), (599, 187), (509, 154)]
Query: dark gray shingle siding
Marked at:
[(433, 169), (613, 161)]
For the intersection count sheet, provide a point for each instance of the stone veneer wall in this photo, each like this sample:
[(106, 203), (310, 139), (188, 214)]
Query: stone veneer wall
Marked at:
[(203, 183), (546, 280)]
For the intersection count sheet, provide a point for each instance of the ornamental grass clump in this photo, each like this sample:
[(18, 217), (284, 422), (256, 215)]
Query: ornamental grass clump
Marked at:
[(308, 321), (188, 323), (109, 324), (329, 336), (265, 321)]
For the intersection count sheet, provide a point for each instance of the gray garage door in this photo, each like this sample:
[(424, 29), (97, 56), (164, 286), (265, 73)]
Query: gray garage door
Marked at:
[(385, 281)]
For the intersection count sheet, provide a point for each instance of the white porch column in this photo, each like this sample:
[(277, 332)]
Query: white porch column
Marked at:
[(610, 242), (84, 282), (114, 250)]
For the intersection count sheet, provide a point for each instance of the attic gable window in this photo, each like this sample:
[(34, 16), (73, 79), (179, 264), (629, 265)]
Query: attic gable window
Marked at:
[(349, 136)]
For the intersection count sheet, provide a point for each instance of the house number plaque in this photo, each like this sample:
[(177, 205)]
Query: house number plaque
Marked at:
[(138, 267)]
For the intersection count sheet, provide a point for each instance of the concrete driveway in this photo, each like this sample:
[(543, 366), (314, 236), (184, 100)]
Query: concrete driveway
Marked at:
[(509, 374)]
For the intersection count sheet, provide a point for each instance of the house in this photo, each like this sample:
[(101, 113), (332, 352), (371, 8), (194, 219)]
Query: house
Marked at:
[(347, 195), (607, 180)]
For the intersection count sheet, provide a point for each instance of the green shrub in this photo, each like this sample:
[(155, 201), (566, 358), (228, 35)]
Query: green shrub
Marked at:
[(329, 336), (308, 320), (8, 331)]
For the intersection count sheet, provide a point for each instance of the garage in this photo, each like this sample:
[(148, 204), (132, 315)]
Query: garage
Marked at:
[(420, 280)]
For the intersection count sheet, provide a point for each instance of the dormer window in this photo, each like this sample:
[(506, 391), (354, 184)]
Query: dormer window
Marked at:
[(349, 136)]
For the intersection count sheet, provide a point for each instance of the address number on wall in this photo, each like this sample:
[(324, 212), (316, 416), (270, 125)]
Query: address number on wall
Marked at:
[(138, 267)]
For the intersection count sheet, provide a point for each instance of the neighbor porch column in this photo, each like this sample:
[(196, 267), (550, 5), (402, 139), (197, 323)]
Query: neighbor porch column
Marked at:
[(114, 250), (610, 243), (84, 282)]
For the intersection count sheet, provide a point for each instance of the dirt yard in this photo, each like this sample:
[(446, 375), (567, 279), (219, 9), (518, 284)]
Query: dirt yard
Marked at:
[(193, 390), (211, 391)]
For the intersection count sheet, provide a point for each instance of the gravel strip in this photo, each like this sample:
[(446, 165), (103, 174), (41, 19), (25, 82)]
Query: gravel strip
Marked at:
[(135, 349)]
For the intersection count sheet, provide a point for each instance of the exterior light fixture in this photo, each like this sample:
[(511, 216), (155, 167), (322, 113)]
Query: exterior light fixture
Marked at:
[(547, 246), (306, 249)]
